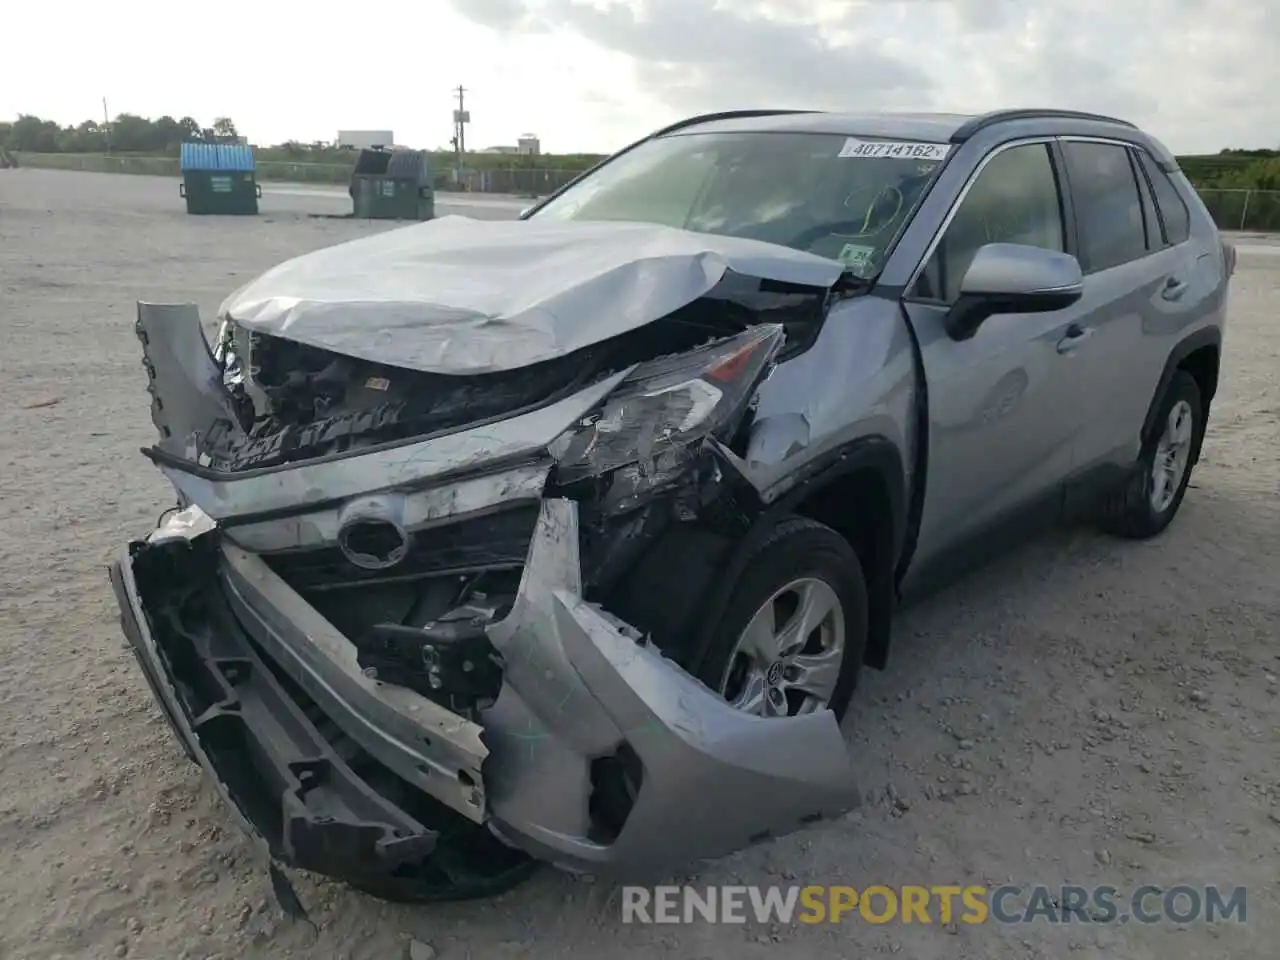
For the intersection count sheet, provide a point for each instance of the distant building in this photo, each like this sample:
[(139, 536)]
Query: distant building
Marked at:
[(528, 145), (364, 139)]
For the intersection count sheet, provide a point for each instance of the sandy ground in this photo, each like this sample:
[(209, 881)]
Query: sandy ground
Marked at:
[(1083, 711)]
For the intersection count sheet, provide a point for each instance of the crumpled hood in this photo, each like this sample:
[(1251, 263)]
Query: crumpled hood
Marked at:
[(463, 296)]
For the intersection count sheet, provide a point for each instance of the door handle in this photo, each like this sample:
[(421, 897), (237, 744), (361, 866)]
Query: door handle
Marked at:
[(1075, 336), (1173, 289)]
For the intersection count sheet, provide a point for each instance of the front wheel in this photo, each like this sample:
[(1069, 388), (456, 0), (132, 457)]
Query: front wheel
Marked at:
[(795, 627), (1150, 499)]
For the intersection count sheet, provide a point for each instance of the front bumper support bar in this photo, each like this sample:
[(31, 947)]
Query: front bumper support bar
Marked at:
[(283, 781)]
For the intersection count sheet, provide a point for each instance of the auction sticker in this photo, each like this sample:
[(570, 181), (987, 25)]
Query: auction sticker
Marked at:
[(904, 149)]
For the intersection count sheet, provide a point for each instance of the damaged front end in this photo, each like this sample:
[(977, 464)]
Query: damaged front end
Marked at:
[(375, 618)]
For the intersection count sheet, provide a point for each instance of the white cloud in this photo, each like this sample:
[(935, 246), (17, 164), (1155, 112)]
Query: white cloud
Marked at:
[(1196, 72), (593, 74)]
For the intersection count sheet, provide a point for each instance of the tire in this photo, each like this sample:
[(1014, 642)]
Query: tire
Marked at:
[(1132, 511), (796, 550)]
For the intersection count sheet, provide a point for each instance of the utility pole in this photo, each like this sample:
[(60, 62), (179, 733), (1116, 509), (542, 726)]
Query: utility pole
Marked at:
[(461, 117), (106, 123)]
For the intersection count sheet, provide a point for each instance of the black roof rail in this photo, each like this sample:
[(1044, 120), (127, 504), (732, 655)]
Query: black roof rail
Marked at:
[(723, 115), (970, 127)]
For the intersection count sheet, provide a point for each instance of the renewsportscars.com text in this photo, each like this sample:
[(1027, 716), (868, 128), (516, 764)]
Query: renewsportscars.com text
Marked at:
[(1150, 903)]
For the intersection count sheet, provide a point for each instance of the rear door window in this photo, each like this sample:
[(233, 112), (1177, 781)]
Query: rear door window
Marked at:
[(1108, 206), (1173, 209)]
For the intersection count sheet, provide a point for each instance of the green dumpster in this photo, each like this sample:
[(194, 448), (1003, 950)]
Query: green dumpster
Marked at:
[(392, 185), (218, 178)]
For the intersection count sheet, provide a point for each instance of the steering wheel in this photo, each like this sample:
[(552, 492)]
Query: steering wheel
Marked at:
[(876, 217)]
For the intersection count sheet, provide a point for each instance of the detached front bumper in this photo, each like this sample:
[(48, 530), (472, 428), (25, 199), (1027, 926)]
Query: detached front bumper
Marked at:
[(341, 774), (305, 793), (285, 783)]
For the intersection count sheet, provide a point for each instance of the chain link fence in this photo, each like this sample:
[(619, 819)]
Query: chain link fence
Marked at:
[(525, 181), (517, 180), (1253, 210), (168, 166), (100, 163)]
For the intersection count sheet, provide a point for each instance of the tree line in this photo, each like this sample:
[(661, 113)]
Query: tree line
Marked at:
[(131, 134), (1234, 170), (128, 133)]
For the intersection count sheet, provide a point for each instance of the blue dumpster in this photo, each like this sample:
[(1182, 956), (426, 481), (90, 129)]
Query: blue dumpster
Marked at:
[(219, 178)]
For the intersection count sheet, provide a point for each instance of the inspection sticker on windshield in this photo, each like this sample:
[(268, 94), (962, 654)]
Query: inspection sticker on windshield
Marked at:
[(855, 256), (904, 149)]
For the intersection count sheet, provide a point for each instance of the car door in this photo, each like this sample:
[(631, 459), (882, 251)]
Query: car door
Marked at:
[(1002, 404), (1136, 285), (1141, 288)]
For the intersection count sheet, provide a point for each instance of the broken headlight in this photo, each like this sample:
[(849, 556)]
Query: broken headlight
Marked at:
[(666, 404)]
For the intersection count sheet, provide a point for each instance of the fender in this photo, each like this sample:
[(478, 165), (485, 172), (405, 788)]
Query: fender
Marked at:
[(1204, 337)]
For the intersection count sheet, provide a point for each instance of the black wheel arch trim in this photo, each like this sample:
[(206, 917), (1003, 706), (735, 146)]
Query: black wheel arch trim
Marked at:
[(1204, 337), (875, 453)]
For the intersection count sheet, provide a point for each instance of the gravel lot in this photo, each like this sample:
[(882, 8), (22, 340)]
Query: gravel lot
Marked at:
[(1083, 711)]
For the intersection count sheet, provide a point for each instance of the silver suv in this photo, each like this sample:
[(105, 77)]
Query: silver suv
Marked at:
[(566, 538)]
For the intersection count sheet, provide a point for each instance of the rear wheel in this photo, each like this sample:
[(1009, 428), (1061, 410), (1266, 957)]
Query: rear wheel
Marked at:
[(1150, 499), (795, 628)]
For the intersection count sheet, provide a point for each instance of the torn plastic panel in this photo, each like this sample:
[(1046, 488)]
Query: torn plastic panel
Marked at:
[(580, 686), (185, 382), (463, 296)]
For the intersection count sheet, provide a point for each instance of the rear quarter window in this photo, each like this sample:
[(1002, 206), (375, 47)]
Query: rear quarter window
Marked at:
[(1173, 209)]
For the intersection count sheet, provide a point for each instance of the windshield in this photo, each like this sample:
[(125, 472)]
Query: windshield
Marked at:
[(827, 194)]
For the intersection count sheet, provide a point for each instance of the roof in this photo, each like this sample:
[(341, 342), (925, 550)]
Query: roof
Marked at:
[(236, 157), (903, 125)]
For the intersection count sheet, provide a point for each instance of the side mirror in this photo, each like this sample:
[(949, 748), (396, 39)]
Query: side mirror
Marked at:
[(1013, 278)]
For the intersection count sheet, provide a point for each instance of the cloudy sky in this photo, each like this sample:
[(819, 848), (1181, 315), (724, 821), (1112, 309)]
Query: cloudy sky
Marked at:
[(593, 74)]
